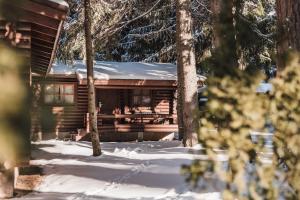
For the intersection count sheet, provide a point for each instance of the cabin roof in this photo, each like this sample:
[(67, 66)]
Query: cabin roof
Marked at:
[(130, 70), (39, 24), (120, 70), (60, 2), (104, 70)]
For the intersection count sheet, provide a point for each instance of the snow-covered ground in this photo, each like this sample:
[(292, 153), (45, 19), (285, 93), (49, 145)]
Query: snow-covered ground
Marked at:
[(146, 170)]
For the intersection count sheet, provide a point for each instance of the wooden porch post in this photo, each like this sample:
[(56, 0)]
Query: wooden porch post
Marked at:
[(6, 182)]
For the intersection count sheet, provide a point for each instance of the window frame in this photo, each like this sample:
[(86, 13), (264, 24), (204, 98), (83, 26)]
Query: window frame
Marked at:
[(60, 103), (140, 97)]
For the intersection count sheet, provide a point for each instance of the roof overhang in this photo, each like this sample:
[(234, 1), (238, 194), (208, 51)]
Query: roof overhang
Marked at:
[(132, 83), (43, 20)]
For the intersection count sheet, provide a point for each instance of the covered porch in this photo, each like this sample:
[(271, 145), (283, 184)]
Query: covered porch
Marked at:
[(135, 111)]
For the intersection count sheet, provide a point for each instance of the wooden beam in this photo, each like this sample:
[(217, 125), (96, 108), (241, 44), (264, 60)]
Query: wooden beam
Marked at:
[(38, 71), (42, 37), (40, 20), (53, 4), (22, 26), (55, 46), (42, 42), (34, 54), (39, 68), (42, 9), (135, 87), (136, 83), (40, 61), (36, 63), (121, 116), (45, 47), (44, 30), (42, 52)]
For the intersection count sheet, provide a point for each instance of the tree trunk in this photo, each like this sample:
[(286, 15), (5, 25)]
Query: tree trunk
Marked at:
[(239, 8), (215, 7), (90, 80), (187, 78), (179, 108), (224, 38), (288, 21)]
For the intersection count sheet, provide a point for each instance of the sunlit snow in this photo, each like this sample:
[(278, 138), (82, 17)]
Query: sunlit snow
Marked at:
[(145, 170)]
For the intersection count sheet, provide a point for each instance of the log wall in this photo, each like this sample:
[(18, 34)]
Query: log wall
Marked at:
[(67, 119)]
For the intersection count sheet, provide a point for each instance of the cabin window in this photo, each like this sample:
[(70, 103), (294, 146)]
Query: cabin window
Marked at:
[(142, 97), (59, 94)]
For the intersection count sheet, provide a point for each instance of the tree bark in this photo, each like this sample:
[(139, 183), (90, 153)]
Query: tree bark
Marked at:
[(239, 8), (90, 80), (224, 38), (215, 7), (179, 108), (187, 77), (288, 22)]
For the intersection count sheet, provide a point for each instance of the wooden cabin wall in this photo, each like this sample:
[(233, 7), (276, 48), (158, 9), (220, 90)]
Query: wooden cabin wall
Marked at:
[(66, 119), (58, 118), (72, 118), (164, 101)]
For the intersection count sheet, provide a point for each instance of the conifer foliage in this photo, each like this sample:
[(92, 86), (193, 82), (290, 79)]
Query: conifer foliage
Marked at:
[(251, 139)]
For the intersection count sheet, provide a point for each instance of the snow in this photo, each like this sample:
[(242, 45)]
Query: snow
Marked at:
[(129, 70), (272, 13), (144, 170), (60, 2), (121, 70), (62, 69), (264, 88)]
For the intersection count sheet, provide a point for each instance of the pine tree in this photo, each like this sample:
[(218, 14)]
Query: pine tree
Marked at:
[(90, 80), (186, 64), (288, 29)]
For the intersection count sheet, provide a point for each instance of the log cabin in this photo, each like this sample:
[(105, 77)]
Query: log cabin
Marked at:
[(133, 100), (36, 27)]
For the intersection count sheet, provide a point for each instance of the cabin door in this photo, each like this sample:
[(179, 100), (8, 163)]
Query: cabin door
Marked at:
[(109, 100)]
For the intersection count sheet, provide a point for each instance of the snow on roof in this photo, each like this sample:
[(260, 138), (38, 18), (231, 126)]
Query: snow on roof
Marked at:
[(121, 70), (62, 69), (60, 2), (129, 70)]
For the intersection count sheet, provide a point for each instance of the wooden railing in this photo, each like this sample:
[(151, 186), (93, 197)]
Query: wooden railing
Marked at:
[(138, 119), (138, 115)]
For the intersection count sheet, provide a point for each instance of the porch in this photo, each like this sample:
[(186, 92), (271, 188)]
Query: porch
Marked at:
[(125, 113)]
